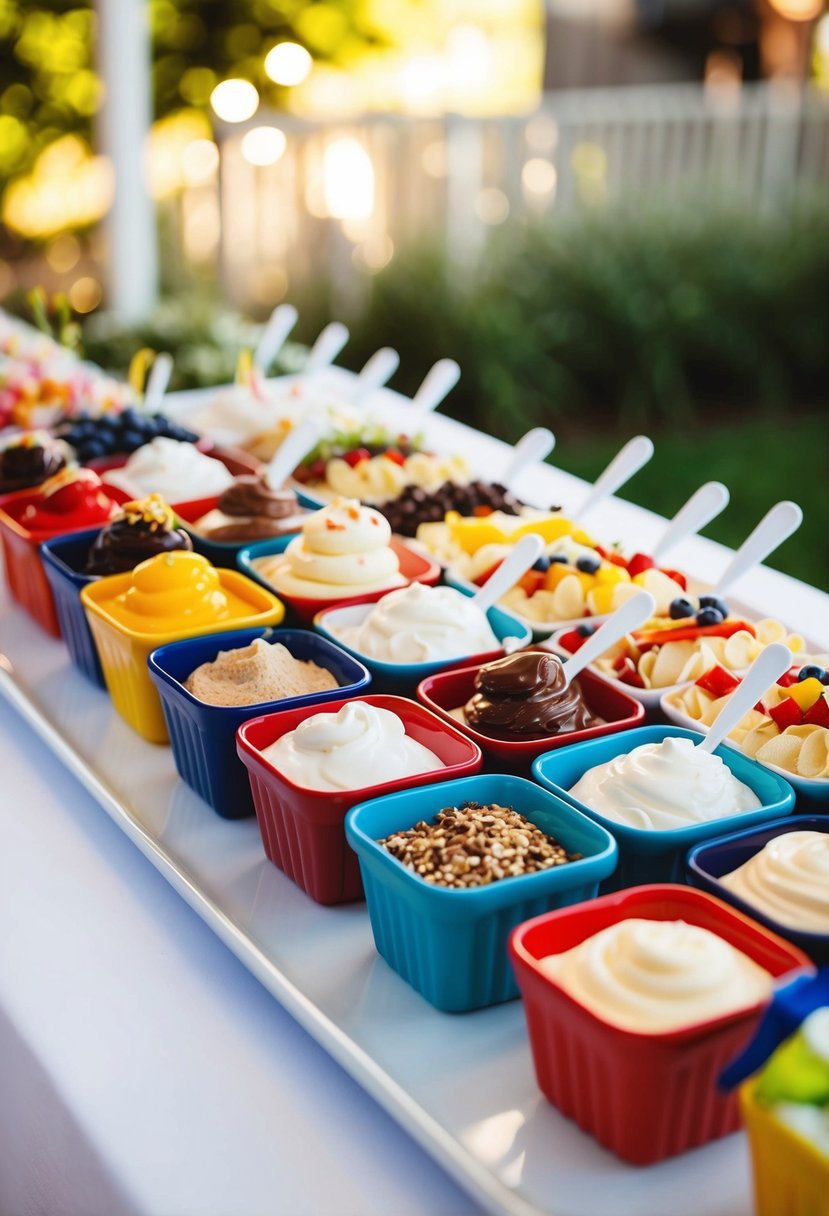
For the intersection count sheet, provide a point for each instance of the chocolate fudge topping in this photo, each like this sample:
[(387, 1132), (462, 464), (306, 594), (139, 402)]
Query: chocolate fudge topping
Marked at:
[(523, 696)]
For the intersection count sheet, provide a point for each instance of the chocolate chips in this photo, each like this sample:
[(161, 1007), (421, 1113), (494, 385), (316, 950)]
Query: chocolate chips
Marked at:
[(415, 506), (473, 845)]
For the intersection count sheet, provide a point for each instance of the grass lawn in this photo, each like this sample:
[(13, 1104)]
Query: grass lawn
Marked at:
[(761, 462)]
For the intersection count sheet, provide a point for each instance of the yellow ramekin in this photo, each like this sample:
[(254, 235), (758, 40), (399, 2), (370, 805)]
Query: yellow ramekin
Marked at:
[(791, 1178), (124, 651)]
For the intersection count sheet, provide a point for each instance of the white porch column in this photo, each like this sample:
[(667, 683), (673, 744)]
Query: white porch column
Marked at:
[(125, 64)]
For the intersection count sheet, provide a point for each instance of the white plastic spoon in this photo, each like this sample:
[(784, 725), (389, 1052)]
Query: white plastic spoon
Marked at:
[(766, 670), (775, 527), (377, 371), (326, 348), (293, 448), (536, 445), (629, 616), (436, 384), (157, 381), (703, 506), (636, 453), (523, 554), (282, 321)]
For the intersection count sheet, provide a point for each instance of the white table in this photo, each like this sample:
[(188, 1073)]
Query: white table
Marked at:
[(142, 1069)]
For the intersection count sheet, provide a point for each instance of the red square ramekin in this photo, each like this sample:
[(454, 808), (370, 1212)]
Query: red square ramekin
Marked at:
[(302, 830), (644, 1096), (25, 572), (446, 690)]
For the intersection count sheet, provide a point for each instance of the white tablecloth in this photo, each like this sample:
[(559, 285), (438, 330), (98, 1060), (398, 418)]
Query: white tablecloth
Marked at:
[(142, 1069)]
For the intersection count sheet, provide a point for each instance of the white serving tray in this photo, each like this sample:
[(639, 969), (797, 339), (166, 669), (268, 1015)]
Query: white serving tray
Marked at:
[(461, 1085)]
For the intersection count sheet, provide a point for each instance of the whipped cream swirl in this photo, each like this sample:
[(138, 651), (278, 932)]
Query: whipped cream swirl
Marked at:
[(662, 786), (177, 471), (358, 746), (419, 624), (654, 976), (788, 880)]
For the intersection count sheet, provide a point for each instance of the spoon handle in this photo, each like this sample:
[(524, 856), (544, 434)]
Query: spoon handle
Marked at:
[(296, 444), (775, 526), (535, 445), (380, 368), (629, 460), (766, 669), (282, 320), (436, 384), (523, 554), (326, 348), (628, 616), (157, 381), (703, 506)]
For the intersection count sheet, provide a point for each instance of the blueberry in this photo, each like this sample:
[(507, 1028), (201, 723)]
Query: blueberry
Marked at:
[(714, 601), (130, 440), (91, 450), (710, 616), (560, 558), (586, 631), (812, 672), (542, 564), (588, 565), (129, 418), (680, 608)]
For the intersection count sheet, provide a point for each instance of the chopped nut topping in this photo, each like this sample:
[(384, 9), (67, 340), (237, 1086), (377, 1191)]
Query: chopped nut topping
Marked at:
[(473, 845)]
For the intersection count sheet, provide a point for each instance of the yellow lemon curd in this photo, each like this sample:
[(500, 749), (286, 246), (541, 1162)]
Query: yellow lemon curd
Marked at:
[(174, 591)]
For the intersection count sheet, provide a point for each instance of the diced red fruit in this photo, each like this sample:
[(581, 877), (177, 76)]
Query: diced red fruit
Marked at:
[(787, 679), (639, 563), (718, 681), (818, 715), (628, 673), (677, 576), (356, 455), (531, 582), (620, 662), (602, 552), (646, 638), (486, 574), (397, 457), (572, 640), (787, 713), (618, 560), (482, 511)]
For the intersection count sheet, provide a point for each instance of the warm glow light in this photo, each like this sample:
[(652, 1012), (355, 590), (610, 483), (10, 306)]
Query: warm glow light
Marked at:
[(85, 294), (235, 100), (67, 188), (433, 158), (822, 37), (263, 145), (288, 63), (542, 133), (63, 253), (199, 161), (492, 205), (348, 180), (422, 81), (539, 176), (798, 10)]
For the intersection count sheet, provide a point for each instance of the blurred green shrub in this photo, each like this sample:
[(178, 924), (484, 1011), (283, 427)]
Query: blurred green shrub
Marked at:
[(634, 318)]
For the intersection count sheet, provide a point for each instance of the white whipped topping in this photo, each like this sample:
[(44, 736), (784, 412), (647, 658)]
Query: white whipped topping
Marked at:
[(358, 746), (343, 550), (656, 975), (419, 624), (661, 786), (788, 880), (177, 471), (237, 414)]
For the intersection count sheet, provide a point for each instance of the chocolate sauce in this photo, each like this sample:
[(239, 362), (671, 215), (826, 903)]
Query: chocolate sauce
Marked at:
[(141, 531), (26, 464), (523, 696), (261, 511)]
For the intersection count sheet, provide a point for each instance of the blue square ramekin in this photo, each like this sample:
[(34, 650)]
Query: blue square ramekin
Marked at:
[(223, 553), (203, 737), (708, 863), (64, 558), (403, 678), (451, 945), (658, 856)]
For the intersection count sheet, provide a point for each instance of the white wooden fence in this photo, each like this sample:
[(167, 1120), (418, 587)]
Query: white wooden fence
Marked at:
[(347, 196)]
